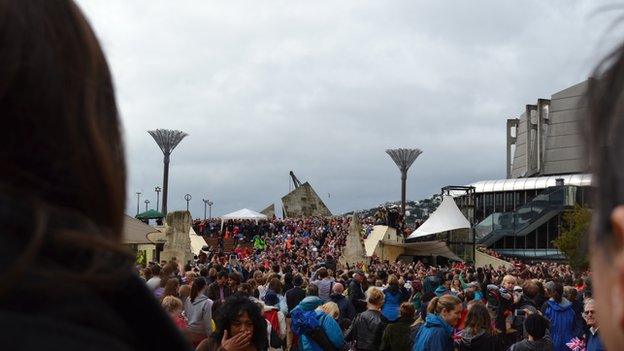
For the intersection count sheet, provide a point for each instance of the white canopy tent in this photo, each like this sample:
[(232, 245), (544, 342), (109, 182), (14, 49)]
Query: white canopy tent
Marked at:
[(446, 217), (197, 241), (245, 213)]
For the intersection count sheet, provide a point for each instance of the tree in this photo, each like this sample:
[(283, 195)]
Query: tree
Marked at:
[(572, 240)]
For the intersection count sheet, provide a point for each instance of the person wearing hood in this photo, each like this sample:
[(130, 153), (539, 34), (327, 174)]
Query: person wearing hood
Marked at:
[(347, 311), (393, 296), (198, 311), (478, 333), (538, 338), (436, 333), (396, 337), (368, 327), (563, 322), (330, 326)]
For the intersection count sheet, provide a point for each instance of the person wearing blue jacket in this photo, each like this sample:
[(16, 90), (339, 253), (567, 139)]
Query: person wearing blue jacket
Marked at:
[(393, 299), (436, 334), (329, 325), (564, 325)]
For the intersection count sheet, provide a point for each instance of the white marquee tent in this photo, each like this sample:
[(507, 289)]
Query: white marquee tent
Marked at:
[(245, 213), (446, 217)]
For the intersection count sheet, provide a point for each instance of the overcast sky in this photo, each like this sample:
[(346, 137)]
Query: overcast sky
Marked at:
[(324, 87)]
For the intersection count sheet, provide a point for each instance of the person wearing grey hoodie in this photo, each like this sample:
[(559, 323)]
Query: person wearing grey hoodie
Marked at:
[(198, 311)]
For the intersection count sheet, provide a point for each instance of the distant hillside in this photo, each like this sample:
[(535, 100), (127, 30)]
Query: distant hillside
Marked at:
[(418, 211)]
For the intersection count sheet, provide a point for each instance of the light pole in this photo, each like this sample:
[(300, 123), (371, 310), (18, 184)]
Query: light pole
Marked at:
[(403, 159), (188, 198), (138, 194), (210, 203), (205, 204), (146, 204), (157, 190), (167, 140)]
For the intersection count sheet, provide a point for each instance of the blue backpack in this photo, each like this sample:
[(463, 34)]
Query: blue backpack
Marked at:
[(306, 323)]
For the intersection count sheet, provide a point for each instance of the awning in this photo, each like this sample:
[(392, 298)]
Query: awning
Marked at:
[(245, 213), (197, 241), (430, 248), (151, 214), (135, 231), (446, 217)]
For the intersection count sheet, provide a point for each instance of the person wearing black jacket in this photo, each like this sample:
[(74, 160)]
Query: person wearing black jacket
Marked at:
[(347, 311), (368, 327), (356, 293), (296, 294)]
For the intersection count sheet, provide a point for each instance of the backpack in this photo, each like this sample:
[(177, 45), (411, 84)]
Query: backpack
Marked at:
[(272, 317), (306, 323)]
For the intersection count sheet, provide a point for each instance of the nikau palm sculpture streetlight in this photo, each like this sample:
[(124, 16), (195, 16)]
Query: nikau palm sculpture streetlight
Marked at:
[(167, 140), (403, 159)]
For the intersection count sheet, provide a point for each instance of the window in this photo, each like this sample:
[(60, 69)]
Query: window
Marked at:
[(542, 237), (530, 240)]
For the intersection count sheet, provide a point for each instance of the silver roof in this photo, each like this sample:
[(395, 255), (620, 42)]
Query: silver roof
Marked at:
[(531, 183)]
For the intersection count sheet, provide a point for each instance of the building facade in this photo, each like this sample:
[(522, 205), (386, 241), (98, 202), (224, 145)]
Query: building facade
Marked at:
[(546, 176)]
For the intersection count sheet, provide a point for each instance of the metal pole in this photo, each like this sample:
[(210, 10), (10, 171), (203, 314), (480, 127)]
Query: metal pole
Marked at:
[(210, 203), (205, 204), (403, 191), (138, 194), (165, 184), (146, 204), (188, 198), (157, 190)]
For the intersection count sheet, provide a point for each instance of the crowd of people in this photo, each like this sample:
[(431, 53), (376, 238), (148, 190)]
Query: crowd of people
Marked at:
[(306, 300), (70, 284)]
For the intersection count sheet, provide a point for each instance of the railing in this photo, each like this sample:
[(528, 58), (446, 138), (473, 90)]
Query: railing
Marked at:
[(498, 225)]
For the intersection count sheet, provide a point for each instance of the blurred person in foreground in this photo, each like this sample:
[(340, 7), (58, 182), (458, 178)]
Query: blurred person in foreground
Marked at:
[(62, 193), (606, 150)]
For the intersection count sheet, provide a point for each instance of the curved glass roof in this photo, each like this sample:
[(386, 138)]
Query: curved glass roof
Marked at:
[(486, 186)]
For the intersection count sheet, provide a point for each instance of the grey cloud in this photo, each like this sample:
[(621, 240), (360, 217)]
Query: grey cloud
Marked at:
[(324, 87)]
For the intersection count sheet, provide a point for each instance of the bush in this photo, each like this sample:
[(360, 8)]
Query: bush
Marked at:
[(572, 240)]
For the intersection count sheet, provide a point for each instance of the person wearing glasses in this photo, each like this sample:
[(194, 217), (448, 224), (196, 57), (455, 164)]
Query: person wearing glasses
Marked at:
[(593, 339)]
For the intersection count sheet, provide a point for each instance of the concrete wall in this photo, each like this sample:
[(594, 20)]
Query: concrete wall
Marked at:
[(549, 138), (483, 259), (564, 152)]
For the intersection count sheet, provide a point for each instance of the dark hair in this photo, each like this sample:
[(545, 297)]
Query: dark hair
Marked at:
[(222, 274), (231, 310), (407, 310), (275, 285), (235, 276), (478, 319), (312, 290), (536, 325), (171, 288), (62, 151), (604, 142), (556, 290), (298, 280), (198, 285)]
